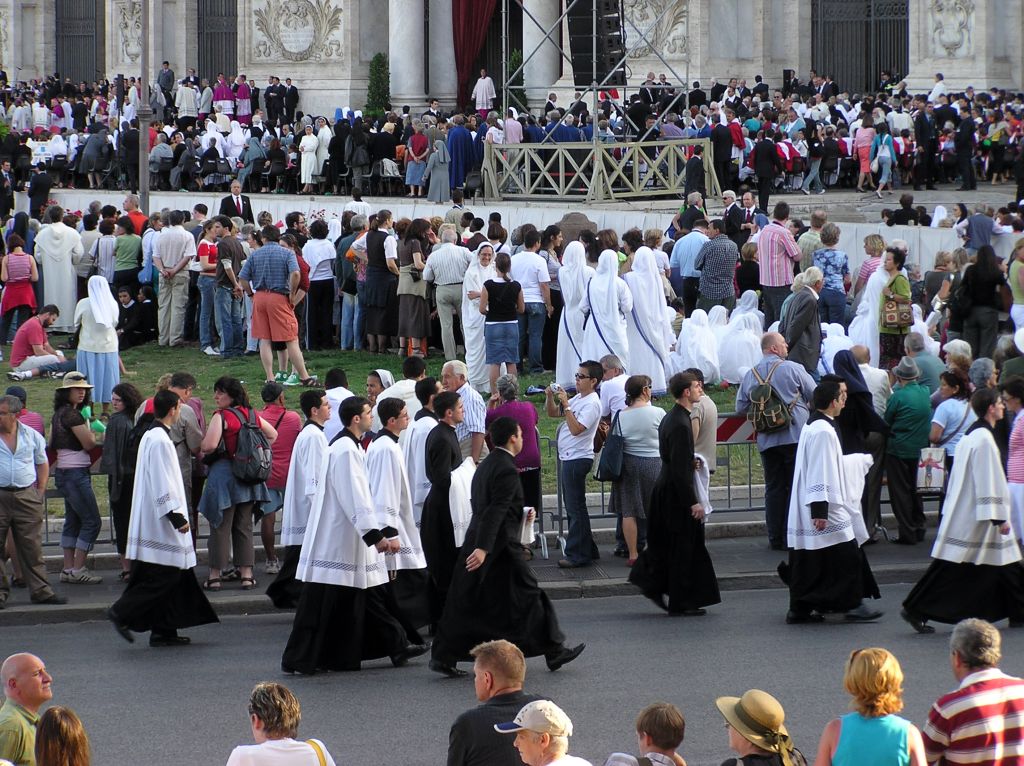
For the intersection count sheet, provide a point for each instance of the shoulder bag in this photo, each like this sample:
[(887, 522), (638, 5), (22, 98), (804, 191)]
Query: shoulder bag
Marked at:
[(931, 465), (896, 316), (609, 462)]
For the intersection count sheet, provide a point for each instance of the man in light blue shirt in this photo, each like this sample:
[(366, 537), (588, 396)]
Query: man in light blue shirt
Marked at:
[(24, 471), (685, 277)]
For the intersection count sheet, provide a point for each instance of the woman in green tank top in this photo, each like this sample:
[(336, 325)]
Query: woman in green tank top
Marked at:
[(873, 733), (1016, 280)]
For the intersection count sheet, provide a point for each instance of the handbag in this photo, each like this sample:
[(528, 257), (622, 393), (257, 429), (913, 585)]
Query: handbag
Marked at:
[(896, 316), (609, 463), (874, 165)]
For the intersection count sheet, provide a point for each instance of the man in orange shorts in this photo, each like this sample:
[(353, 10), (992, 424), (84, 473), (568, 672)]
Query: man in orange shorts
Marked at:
[(271, 276)]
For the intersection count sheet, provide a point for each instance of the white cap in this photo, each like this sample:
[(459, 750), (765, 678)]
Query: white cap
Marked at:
[(541, 717)]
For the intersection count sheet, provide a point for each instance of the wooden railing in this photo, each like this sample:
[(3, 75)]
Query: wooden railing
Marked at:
[(593, 171)]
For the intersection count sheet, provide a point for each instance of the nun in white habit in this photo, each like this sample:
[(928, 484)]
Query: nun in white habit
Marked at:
[(864, 327), (573, 277), (648, 331), (740, 347), (930, 344), (835, 340), (235, 142), (747, 304), (481, 268), (696, 347), (718, 321), (605, 304)]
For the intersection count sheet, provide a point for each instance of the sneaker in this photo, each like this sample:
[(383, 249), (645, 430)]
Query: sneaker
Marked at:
[(280, 377), (821, 190), (211, 351), (805, 191), (15, 375), (81, 577), (292, 380), (272, 567)]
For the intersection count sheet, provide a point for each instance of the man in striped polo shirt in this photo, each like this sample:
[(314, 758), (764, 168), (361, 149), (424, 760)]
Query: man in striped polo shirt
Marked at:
[(978, 723)]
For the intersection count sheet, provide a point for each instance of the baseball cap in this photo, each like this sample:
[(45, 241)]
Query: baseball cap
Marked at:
[(541, 717)]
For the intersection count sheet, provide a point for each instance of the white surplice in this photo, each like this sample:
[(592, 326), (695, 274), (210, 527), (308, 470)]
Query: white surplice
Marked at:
[(977, 495), (304, 489), (459, 495), (392, 501), (414, 449), (159, 490), (333, 551), (824, 473)]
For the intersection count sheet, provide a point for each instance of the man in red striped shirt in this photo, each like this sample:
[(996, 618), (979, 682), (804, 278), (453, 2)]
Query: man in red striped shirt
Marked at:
[(777, 252), (980, 722)]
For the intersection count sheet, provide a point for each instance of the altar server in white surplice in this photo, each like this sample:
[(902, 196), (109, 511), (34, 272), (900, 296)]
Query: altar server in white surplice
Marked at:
[(162, 595), (414, 446), (392, 500), (303, 491), (647, 326), (346, 614)]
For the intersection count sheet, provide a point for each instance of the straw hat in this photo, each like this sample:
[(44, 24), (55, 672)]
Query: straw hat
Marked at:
[(75, 379), (757, 716)]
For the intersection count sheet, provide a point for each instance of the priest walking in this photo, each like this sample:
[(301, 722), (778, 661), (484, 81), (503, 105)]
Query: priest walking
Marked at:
[(162, 595), (827, 570), (494, 594), (976, 569), (345, 613), (303, 491)]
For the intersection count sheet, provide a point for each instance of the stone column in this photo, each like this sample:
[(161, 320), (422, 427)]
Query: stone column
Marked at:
[(542, 70), (405, 53), (444, 79)]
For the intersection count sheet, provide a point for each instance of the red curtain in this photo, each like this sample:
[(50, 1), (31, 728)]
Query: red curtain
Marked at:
[(470, 20)]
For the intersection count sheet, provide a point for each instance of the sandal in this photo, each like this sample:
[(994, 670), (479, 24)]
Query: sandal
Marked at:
[(212, 584), (309, 382), (248, 583)]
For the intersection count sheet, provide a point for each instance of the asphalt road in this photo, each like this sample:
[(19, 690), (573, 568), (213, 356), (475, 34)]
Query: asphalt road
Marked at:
[(165, 707)]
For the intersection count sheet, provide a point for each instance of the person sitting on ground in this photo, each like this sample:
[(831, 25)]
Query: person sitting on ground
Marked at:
[(500, 669), (756, 731), (659, 732), (31, 353), (61, 739), (274, 715), (27, 686), (542, 732), (872, 733)]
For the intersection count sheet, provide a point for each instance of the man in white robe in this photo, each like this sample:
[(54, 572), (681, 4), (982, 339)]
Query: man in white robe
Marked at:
[(827, 570), (303, 491), (484, 94), (392, 500), (414, 447), (345, 614), (414, 369), (976, 569), (58, 247), (162, 595)]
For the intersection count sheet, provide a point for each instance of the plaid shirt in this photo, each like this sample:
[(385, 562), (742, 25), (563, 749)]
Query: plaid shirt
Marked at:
[(777, 251), (270, 268), (717, 263)]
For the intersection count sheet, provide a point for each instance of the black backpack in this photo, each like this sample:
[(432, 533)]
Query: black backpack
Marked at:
[(252, 460), (768, 412), (131, 447)]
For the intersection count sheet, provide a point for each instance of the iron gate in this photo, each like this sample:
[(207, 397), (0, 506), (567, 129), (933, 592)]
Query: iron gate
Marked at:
[(79, 34), (218, 38), (854, 40)]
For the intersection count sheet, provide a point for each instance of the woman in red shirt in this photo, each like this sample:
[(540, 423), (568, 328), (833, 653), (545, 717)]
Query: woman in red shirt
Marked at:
[(206, 252)]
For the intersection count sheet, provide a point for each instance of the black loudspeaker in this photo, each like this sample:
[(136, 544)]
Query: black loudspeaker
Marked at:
[(606, 51), (119, 90), (787, 80)]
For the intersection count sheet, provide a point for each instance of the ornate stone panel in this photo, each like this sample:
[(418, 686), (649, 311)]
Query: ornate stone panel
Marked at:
[(952, 27), (668, 36), (296, 30), (128, 20)]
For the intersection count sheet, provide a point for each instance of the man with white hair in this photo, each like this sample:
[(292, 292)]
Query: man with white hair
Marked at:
[(801, 327), (27, 686), (470, 432), (446, 267), (542, 732)]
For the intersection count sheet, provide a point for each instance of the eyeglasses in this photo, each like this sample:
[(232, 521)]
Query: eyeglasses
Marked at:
[(580, 376)]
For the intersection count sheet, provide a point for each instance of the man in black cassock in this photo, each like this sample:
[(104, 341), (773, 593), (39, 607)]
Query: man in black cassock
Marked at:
[(437, 532), (676, 561), (493, 593)]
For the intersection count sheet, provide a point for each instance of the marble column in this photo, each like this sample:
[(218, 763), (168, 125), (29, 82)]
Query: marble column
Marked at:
[(542, 69), (405, 53), (444, 78)]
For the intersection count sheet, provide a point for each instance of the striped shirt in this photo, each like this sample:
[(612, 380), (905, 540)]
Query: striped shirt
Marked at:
[(474, 420), (777, 251), (446, 265), (982, 722), (869, 267)]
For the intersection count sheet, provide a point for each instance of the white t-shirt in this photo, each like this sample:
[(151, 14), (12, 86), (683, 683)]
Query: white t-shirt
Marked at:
[(587, 410), (335, 396), (613, 395), (530, 269), (319, 254), (279, 752), (569, 760)]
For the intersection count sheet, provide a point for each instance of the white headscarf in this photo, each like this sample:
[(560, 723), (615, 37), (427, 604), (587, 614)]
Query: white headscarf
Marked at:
[(930, 344), (696, 347), (573, 277), (718, 320), (747, 305), (644, 282), (740, 347), (334, 230), (834, 342), (607, 316), (387, 380), (476, 274), (101, 302)]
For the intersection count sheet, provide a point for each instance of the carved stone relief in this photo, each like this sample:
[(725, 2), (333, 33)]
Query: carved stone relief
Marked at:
[(129, 29), (952, 23), (5, 24), (664, 24), (297, 30)]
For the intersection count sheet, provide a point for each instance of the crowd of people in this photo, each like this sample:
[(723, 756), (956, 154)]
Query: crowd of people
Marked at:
[(975, 723)]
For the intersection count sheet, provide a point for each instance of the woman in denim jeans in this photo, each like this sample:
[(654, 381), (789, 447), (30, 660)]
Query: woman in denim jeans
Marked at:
[(72, 439)]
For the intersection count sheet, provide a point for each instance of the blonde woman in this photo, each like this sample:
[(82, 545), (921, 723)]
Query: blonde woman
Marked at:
[(872, 733)]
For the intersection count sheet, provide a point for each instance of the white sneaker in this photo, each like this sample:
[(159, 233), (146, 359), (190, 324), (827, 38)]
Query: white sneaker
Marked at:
[(272, 567), (292, 380), (80, 577), (211, 351)]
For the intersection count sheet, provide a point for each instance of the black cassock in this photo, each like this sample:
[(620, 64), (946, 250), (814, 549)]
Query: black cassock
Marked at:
[(436, 531), (501, 599), (676, 561)]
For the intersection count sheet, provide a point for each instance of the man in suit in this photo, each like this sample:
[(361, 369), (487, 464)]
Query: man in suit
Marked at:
[(129, 150), (6, 188), (767, 165), (801, 327), (500, 670), (237, 204), (38, 191), (273, 95), (291, 100), (925, 135), (693, 173), (733, 218), (494, 593), (721, 145), (964, 143), (697, 97)]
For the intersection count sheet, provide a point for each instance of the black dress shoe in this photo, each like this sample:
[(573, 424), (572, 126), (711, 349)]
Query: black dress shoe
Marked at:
[(916, 622), (863, 613), (410, 651), (158, 640), (903, 541), (801, 618), (567, 564), (621, 553), (564, 657), (919, 535), (658, 599), (53, 599), (445, 669), (120, 627)]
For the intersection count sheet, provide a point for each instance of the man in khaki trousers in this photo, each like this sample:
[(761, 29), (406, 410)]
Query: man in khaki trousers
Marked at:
[(173, 251)]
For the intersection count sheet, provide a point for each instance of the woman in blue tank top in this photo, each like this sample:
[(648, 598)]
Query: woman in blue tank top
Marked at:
[(872, 734)]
